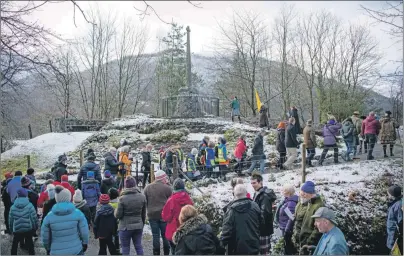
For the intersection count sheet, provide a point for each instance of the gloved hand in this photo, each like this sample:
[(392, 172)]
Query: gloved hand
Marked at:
[(85, 247)]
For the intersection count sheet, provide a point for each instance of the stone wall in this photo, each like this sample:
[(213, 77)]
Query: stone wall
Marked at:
[(77, 125)]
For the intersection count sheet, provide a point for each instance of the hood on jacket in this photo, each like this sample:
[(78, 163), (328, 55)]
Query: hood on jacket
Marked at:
[(91, 180), (181, 196), (21, 202), (370, 119), (108, 154), (269, 192), (81, 204), (108, 181), (90, 166), (241, 205), (127, 191), (189, 226), (106, 209), (293, 198), (63, 208)]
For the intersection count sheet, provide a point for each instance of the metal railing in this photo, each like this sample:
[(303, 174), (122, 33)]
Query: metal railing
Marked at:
[(206, 105)]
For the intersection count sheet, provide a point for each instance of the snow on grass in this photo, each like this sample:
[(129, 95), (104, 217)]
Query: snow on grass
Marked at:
[(47, 147), (199, 136)]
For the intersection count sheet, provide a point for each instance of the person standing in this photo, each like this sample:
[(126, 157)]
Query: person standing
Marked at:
[(357, 122), (370, 130), (105, 226), (258, 153), (239, 153), (388, 134), (50, 202), (235, 109), (264, 117), (146, 163), (107, 183), (222, 158), (265, 198), (293, 113), (89, 166), (5, 197), (332, 241), (91, 193), (330, 132), (310, 141), (111, 163), (157, 194), (348, 133), (280, 144), (241, 225), (65, 183), (395, 218), (13, 185), (291, 143), (60, 168), (210, 159)]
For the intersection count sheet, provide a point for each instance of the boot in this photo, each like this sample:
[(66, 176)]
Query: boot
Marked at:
[(166, 250), (232, 118), (384, 151), (239, 119), (391, 151), (156, 251)]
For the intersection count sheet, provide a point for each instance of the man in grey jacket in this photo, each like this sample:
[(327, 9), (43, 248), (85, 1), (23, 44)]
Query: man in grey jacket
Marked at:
[(291, 143), (258, 152)]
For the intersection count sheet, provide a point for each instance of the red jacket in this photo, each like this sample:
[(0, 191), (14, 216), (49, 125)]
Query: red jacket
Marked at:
[(370, 126), (66, 185), (43, 196), (172, 209), (241, 147), (248, 196)]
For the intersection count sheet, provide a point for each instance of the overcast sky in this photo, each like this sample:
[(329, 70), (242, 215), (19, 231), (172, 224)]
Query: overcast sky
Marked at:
[(203, 21)]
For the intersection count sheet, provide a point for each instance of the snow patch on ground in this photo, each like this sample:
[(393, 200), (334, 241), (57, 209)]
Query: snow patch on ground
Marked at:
[(47, 147), (199, 136)]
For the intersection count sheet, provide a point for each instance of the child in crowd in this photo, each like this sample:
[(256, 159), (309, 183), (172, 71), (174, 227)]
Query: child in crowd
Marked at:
[(65, 183), (31, 175), (49, 203), (113, 196), (108, 182), (191, 164), (105, 226), (91, 193), (210, 158), (81, 205)]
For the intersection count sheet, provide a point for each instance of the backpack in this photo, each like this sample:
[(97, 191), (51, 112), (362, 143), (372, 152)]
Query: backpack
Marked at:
[(90, 191)]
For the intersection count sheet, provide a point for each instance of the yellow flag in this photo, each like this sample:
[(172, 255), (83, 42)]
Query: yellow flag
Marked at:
[(395, 250), (258, 100)]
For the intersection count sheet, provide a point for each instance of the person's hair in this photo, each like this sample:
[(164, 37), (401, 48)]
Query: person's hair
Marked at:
[(149, 146), (257, 177), (240, 191), (125, 149), (236, 181), (291, 119), (371, 113), (18, 173), (235, 97), (30, 171), (187, 212), (289, 188), (112, 149), (211, 144)]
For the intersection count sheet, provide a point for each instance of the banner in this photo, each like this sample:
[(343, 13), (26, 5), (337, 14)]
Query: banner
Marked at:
[(258, 100)]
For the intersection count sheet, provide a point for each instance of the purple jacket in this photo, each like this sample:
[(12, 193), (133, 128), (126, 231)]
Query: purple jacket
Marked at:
[(287, 208), (329, 133)]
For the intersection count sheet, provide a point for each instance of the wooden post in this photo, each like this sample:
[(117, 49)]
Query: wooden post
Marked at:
[(1, 145), (50, 125), (303, 163), (81, 158), (28, 161), (152, 177), (30, 131), (175, 167), (137, 171)]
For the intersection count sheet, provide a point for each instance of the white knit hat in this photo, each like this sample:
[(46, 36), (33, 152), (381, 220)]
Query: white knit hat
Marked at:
[(62, 194), (77, 197), (194, 151), (160, 175)]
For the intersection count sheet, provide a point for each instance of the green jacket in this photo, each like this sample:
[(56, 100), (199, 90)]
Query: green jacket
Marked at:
[(235, 104), (304, 231)]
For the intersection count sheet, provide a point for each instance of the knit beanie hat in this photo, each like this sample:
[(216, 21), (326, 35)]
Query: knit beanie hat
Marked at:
[(77, 197), (160, 175), (25, 182), (309, 122), (178, 184), (130, 182), (62, 194), (50, 188), (90, 175), (113, 193), (281, 125), (49, 176), (65, 178), (18, 173), (104, 199), (194, 151), (308, 187), (8, 175), (395, 191), (107, 174), (22, 192)]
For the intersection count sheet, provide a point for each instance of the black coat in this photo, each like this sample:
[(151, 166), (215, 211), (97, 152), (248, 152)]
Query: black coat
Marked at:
[(33, 198), (290, 137), (85, 209), (59, 170), (280, 141), (293, 113), (258, 149), (146, 161), (265, 198), (195, 237), (106, 184), (105, 223), (110, 163), (47, 207), (241, 232), (5, 197)]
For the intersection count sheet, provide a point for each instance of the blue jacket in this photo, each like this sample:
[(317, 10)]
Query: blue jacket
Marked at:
[(23, 217), (332, 243), (13, 186), (64, 230), (89, 166), (210, 157), (91, 192), (394, 217)]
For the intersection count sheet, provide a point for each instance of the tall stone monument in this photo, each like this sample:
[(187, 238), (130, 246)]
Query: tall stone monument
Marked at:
[(188, 100)]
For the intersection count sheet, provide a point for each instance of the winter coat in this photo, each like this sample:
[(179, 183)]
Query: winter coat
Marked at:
[(23, 217), (69, 187), (13, 186), (330, 131), (240, 149), (264, 122), (265, 198), (131, 211), (235, 104), (171, 211), (157, 194), (146, 161), (33, 181), (47, 207), (5, 197), (291, 136), (387, 133), (357, 122), (60, 169), (105, 223), (107, 184), (43, 196), (285, 213), (87, 167), (196, 237), (91, 192), (293, 113), (370, 126), (110, 163), (241, 228), (124, 158), (222, 159), (309, 137), (191, 164), (332, 243), (394, 219), (85, 209), (280, 141), (258, 148), (64, 230), (33, 198), (210, 157), (347, 132), (305, 233)]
